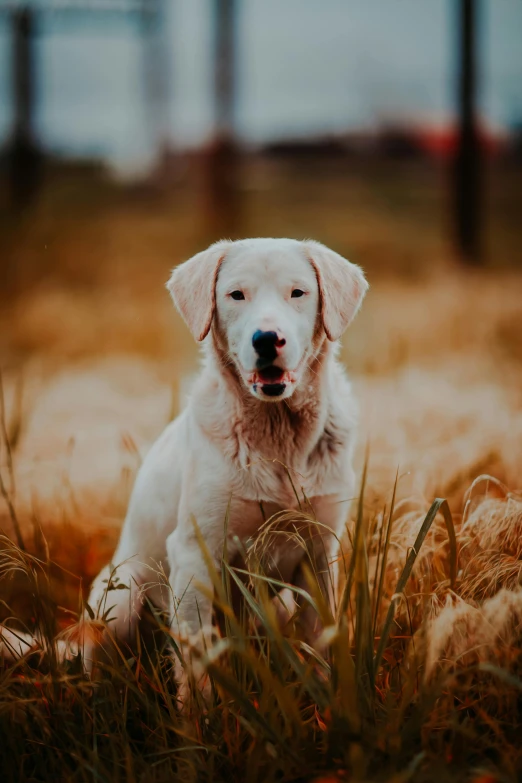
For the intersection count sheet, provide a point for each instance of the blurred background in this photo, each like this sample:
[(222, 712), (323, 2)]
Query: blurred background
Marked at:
[(135, 132), (232, 117)]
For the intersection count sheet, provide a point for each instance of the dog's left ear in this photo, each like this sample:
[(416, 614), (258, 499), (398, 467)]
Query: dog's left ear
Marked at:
[(193, 288), (342, 287)]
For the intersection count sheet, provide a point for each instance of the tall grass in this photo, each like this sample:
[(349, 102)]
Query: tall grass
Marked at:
[(418, 675), (372, 705)]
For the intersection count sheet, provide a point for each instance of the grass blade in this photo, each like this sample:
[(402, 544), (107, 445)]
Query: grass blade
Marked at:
[(438, 505)]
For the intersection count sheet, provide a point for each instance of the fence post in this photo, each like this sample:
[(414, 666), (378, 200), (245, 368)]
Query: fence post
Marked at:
[(24, 158), (223, 161), (467, 157)]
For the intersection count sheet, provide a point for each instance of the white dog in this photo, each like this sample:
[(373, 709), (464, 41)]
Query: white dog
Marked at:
[(271, 402)]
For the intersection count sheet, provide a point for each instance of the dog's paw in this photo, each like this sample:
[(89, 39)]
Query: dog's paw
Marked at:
[(191, 674), (193, 688), (15, 644)]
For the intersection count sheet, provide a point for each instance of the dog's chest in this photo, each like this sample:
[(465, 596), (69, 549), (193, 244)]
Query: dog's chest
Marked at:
[(285, 471)]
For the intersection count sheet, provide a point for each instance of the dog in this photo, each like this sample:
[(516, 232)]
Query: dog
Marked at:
[(271, 410)]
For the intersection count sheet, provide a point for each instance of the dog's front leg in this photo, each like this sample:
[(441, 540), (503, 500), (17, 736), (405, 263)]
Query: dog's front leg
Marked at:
[(191, 602), (318, 564), (325, 552), (115, 598)]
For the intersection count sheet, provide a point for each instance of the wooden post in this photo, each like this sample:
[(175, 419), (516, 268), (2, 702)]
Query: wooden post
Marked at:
[(156, 79), (25, 161), (467, 157), (225, 51), (224, 156)]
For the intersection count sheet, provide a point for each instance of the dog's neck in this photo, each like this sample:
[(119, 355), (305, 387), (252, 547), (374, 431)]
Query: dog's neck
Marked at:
[(272, 430)]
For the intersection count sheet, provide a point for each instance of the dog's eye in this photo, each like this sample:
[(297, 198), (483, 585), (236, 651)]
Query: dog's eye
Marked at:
[(237, 295), (296, 293)]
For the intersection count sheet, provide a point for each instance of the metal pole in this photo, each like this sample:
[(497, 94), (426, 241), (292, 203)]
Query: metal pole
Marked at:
[(467, 158)]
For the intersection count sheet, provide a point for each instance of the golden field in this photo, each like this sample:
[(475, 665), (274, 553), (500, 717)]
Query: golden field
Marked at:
[(96, 363)]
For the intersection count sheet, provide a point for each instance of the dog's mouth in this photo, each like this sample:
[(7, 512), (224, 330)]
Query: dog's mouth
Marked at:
[(271, 381), (270, 374)]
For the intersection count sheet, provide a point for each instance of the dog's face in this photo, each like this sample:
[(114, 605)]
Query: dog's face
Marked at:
[(267, 304), (268, 299)]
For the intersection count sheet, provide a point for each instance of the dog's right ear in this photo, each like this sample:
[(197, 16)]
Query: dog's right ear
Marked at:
[(193, 288)]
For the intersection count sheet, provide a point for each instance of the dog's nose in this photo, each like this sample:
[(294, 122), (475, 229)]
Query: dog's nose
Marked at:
[(266, 344)]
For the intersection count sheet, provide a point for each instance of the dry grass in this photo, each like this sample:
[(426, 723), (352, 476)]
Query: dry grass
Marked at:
[(95, 367)]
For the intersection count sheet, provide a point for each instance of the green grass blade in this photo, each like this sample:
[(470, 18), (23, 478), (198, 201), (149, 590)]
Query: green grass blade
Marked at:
[(384, 560), (347, 589), (438, 505)]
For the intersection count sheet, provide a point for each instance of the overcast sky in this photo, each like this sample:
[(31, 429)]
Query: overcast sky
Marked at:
[(304, 67)]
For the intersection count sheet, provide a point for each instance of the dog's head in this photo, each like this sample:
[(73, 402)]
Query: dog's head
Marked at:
[(268, 300)]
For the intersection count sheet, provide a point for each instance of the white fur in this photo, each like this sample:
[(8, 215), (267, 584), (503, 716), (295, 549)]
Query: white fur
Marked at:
[(232, 447)]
